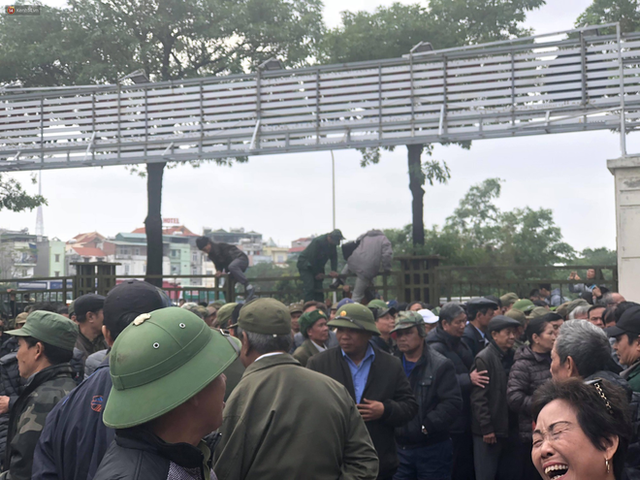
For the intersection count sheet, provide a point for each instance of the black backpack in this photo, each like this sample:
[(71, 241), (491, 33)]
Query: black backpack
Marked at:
[(348, 248)]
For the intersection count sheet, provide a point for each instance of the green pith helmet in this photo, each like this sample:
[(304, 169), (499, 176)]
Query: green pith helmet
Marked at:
[(356, 317), (160, 361), (224, 315), (524, 305)]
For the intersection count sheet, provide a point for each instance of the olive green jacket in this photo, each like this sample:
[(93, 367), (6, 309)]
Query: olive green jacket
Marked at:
[(305, 351), (286, 422), (632, 376)]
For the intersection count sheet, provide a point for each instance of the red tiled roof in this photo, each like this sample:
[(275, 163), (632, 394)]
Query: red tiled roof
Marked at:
[(296, 249), (89, 252), (87, 237)]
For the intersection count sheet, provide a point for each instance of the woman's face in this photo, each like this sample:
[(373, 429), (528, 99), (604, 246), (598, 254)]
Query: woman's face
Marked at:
[(562, 451), (546, 339)]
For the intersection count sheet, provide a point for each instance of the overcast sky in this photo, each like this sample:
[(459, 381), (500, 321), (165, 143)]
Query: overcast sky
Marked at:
[(289, 196)]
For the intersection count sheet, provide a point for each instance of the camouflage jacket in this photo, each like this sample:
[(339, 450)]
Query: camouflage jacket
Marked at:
[(28, 415)]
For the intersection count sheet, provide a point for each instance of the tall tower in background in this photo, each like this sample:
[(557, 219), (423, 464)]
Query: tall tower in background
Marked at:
[(39, 219)]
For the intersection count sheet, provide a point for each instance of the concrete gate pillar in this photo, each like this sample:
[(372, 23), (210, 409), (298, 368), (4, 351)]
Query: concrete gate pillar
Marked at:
[(626, 171)]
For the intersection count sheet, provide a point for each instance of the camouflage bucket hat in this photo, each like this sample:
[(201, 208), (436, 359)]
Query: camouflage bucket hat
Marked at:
[(356, 317), (408, 320), (160, 361)]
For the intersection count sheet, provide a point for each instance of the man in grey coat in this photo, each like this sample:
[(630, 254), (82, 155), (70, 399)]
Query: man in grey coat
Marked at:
[(374, 253)]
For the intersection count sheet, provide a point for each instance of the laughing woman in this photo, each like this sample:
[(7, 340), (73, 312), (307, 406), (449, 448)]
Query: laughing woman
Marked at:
[(581, 430)]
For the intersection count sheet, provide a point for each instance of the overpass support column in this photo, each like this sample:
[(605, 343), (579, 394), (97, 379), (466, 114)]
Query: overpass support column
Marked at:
[(626, 171)]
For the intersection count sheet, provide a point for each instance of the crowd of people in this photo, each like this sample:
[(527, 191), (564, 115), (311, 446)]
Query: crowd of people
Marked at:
[(131, 386)]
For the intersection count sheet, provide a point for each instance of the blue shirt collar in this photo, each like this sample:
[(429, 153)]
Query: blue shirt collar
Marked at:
[(368, 353)]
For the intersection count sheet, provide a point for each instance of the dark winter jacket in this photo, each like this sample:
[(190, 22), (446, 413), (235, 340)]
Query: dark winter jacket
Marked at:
[(458, 352), (74, 439), (473, 339), (387, 383), (29, 413), (387, 347), (222, 254), (490, 413), (439, 401), (138, 454), (529, 371)]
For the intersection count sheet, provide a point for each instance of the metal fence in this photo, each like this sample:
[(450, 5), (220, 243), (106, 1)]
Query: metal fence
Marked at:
[(418, 278)]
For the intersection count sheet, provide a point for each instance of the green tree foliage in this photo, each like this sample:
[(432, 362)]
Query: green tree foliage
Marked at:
[(597, 256), (99, 41), (627, 12), (479, 233), (14, 198), (392, 31)]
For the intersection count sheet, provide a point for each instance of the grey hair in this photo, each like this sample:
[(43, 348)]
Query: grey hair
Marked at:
[(586, 344), (583, 309), (606, 300), (449, 311), (263, 344)]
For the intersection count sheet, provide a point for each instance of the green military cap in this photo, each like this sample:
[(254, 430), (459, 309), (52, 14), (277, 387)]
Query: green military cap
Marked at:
[(199, 310), (381, 308), (266, 316), (523, 305), (307, 320), (160, 361), (579, 302), (538, 312), (356, 317), (216, 304), (408, 320), (295, 308), (563, 310), (336, 235), (224, 315), (49, 327), (517, 315), (509, 299)]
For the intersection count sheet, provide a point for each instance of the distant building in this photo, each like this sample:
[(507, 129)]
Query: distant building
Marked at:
[(277, 254), (298, 246), (51, 258), (84, 247), (18, 253)]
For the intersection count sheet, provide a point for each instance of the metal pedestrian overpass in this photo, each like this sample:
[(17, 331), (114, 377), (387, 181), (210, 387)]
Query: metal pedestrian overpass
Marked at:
[(579, 80)]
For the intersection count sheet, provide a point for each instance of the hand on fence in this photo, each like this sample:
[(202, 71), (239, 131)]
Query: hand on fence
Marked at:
[(320, 276), (333, 274)]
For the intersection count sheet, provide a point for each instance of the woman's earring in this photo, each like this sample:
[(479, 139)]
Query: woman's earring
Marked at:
[(606, 462)]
